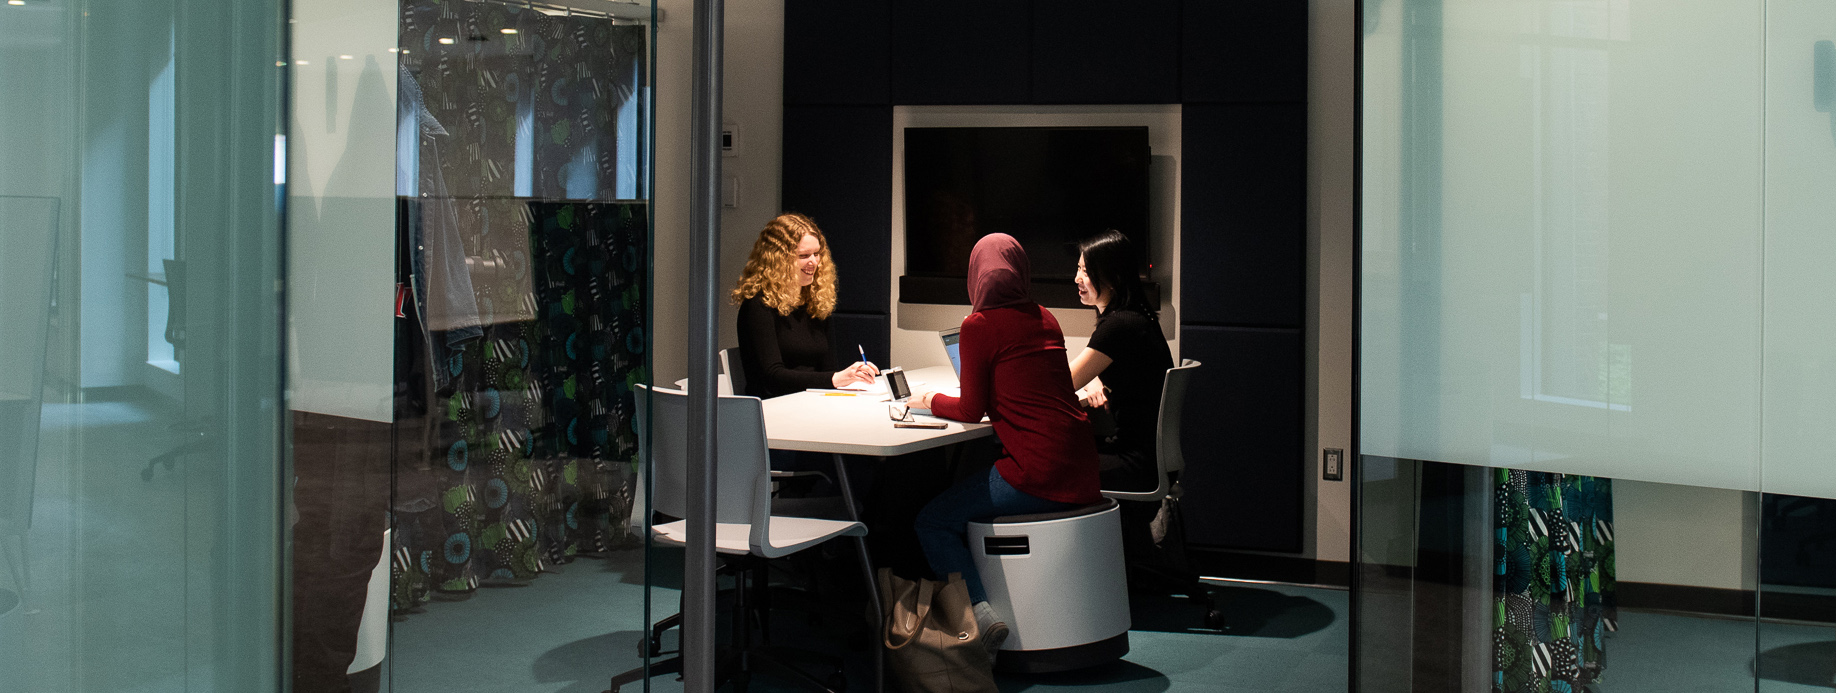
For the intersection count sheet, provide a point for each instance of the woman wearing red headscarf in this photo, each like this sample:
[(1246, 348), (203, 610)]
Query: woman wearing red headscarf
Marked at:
[(1014, 370)]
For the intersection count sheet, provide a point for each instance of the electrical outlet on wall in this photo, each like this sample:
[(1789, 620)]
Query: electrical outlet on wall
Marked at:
[(729, 139), (1332, 464)]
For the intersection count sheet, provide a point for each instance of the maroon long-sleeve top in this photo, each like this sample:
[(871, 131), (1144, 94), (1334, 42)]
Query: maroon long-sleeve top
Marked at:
[(1015, 372)]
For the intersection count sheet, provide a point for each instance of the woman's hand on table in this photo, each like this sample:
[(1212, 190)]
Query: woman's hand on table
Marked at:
[(857, 372), (920, 399)]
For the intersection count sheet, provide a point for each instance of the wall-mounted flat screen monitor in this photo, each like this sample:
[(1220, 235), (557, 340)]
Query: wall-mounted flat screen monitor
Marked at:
[(1048, 187)]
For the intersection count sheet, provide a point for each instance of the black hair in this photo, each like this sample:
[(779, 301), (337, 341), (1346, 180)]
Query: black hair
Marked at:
[(1110, 260)]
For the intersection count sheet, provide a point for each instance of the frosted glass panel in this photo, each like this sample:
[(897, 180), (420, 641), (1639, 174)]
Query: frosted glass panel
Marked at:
[(1800, 346), (1562, 237)]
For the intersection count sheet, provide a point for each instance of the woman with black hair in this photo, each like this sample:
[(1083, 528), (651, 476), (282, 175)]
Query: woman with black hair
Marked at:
[(1122, 369)]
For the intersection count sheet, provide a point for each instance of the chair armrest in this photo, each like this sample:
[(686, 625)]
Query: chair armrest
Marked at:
[(1148, 496)]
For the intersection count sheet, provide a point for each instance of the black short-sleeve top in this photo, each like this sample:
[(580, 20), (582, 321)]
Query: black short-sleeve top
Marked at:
[(1139, 359)]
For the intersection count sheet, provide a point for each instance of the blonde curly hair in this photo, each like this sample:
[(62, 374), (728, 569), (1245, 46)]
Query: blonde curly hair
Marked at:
[(771, 270)]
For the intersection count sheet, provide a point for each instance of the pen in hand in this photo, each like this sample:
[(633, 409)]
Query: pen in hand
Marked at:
[(868, 369)]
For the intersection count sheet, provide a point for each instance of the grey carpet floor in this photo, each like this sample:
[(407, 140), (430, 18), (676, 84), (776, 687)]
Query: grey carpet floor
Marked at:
[(116, 608)]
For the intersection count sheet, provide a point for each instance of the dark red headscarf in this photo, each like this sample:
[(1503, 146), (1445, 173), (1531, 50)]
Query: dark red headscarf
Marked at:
[(999, 273)]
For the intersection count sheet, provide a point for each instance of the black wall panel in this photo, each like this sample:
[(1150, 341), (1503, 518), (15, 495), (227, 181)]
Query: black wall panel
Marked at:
[(1243, 202), (1240, 71), (838, 170), (871, 331), (1243, 447), (836, 52), (1088, 51), (1243, 51), (960, 51)]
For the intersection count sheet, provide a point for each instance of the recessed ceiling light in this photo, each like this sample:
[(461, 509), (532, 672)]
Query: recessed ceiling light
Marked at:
[(508, 31), (300, 62), (446, 41), (15, 2), (344, 57), (394, 50)]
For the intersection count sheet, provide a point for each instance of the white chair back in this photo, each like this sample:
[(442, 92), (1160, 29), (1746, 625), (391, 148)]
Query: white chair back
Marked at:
[(1167, 446), (1168, 456), (722, 386), (732, 365), (742, 481)]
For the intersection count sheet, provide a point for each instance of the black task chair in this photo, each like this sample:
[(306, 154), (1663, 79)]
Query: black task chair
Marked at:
[(747, 533), (1171, 566)]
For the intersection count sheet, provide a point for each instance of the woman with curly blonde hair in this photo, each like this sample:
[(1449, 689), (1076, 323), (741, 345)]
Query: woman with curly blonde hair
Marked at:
[(786, 295)]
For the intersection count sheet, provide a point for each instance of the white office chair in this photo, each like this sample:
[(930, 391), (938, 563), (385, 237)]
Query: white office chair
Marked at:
[(744, 524), (1058, 579), (1171, 460), (722, 386)]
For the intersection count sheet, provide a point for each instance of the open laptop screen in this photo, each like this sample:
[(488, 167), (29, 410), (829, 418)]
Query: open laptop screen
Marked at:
[(949, 338)]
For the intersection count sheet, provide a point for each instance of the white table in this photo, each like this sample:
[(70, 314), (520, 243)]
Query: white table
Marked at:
[(858, 424)]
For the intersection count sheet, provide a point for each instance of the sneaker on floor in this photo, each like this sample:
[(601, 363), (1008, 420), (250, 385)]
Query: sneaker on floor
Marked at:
[(992, 628)]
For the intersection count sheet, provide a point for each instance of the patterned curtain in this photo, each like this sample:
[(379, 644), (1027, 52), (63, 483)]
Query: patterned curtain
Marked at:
[(1555, 585), (515, 450)]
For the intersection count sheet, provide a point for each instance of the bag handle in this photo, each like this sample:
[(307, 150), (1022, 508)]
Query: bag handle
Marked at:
[(916, 598)]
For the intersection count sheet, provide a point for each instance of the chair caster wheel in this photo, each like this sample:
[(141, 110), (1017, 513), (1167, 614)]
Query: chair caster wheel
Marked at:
[(1214, 619)]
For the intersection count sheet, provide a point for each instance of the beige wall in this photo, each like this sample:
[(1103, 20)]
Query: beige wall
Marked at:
[(1685, 535), (1330, 192), (753, 102)]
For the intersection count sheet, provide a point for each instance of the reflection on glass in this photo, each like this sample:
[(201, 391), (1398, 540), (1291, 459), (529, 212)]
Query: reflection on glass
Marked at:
[(522, 234), (1797, 567), (140, 502)]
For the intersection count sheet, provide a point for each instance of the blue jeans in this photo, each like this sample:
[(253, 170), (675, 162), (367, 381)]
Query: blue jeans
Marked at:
[(943, 525)]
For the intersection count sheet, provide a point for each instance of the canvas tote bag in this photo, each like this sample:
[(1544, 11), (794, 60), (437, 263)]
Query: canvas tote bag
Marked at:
[(932, 642)]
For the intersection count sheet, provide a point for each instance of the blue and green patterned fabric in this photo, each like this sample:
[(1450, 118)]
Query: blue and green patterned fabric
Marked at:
[(515, 450), (1554, 583)]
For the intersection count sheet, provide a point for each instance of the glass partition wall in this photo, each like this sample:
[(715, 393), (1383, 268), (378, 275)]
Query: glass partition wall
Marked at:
[(142, 510), (486, 166), (322, 321), (1595, 347)]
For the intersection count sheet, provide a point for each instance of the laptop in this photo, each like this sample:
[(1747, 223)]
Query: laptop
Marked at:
[(950, 338)]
